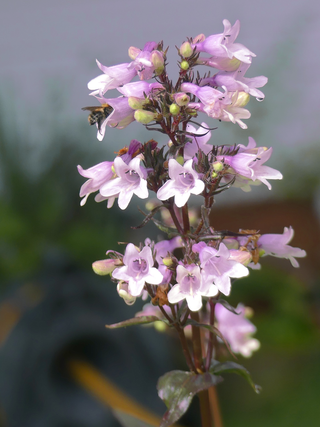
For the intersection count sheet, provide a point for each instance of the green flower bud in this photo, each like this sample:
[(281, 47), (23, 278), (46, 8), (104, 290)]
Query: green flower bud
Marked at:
[(157, 61), (214, 175), (217, 166), (144, 117), (167, 261), (174, 109), (136, 103), (160, 326), (186, 50), (184, 65)]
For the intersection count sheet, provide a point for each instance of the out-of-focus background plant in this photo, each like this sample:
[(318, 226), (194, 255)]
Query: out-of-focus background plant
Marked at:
[(52, 307)]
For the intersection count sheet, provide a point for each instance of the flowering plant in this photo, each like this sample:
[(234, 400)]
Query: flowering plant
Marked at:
[(186, 275)]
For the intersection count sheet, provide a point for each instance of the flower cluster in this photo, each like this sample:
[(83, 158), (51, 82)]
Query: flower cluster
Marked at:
[(187, 272), (222, 96)]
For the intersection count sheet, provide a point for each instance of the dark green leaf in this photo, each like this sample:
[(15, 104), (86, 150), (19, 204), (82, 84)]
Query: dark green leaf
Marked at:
[(142, 320), (177, 389), (235, 368)]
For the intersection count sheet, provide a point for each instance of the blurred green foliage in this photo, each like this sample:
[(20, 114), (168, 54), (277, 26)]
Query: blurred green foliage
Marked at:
[(40, 206)]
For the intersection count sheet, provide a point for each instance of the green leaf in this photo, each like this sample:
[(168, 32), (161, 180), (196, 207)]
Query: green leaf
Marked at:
[(235, 368), (177, 389), (141, 320)]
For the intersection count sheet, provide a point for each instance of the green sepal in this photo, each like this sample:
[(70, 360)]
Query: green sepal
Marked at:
[(233, 368), (177, 389)]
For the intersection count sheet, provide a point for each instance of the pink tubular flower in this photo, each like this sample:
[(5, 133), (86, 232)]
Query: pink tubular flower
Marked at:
[(223, 50), (277, 246), (248, 165), (217, 266), (237, 330), (198, 143), (145, 61), (235, 81), (98, 175), (131, 180), (137, 270), (121, 116), (221, 106), (190, 286), (184, 182), (138, 89), (112, 78)]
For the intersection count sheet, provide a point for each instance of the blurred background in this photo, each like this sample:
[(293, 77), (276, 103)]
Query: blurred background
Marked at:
[(52, 307)]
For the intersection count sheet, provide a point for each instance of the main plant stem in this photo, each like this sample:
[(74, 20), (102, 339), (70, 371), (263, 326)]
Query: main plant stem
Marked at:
[(206, 418)]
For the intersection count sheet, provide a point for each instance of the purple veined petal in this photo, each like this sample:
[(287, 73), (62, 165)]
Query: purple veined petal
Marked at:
[(111, 188), (146, 253), (130, 252)]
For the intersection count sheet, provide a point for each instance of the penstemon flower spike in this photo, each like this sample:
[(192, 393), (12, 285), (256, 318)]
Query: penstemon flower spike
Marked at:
[(186, 292)]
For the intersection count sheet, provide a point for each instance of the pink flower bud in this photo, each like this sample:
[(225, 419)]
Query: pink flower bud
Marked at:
[(133, 52), (244, 257), (181, 99), (105, 266), (157, 61)]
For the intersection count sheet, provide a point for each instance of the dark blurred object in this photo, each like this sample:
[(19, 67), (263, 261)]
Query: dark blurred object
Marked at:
[(36, 388)]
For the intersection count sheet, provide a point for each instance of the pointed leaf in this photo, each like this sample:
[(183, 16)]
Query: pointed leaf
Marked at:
[(177, 389), (235, 368), (141, 320)]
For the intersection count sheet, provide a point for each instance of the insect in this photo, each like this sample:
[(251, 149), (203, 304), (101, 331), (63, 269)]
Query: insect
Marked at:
[(98, 114)]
